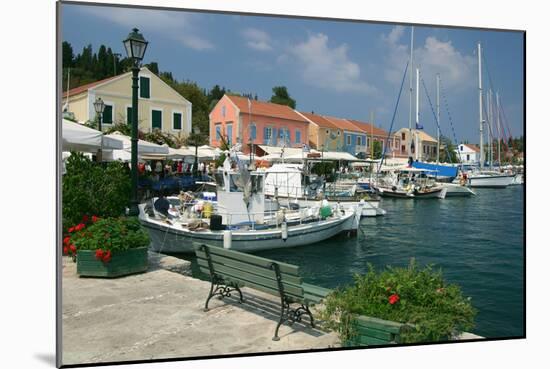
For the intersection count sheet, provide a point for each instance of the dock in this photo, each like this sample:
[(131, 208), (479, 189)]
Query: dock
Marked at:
[(159, 315)]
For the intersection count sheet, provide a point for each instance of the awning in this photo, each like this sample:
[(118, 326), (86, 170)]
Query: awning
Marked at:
[(144, 147), (77, 137)]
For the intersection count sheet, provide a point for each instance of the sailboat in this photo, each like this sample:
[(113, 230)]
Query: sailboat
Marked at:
[(485, 178)]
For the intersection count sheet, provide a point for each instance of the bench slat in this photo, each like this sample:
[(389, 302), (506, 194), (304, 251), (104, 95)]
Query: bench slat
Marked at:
[(261, 271), (248, 258), (376, 333), (315, 290), (370, 341), (252, 279), (380, 324)]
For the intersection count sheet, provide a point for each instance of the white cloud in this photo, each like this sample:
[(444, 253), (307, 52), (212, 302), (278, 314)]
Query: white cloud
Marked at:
[(325, 67), (434, 56), (257, 39), (179, 26)]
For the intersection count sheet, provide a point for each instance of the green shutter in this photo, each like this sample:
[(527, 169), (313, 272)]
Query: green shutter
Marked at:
[(177, 121), (144, 91), (157, 119), (108, 114), (129, 115)]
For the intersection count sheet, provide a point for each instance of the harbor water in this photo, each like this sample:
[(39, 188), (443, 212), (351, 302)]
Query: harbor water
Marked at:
[(478, 242)]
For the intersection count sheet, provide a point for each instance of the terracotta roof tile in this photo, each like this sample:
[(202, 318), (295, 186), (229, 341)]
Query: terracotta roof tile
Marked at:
[(266, 109), (368, 128), (319, 120), (86, 87), (473, 147), (345, 124)]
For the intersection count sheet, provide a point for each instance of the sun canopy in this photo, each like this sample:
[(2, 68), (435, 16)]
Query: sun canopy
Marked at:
[(144, 147), (77, 137)]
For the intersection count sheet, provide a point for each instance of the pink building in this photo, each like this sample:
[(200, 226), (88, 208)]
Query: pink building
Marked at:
[(261, 123)]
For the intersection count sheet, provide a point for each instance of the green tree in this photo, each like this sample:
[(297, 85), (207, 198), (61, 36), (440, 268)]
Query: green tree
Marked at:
[(67, 55), (281, 97), (377, 149), (153, 67), (447, 151)]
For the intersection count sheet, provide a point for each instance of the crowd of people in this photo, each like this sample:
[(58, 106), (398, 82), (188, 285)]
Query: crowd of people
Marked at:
[(158, 169)]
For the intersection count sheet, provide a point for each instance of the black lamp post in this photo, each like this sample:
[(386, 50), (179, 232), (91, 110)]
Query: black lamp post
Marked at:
[(135, 46), (99, 107), (196, 132)]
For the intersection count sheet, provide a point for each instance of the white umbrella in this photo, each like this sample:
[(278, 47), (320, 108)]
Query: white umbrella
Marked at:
[(144, 147), (78, 137)]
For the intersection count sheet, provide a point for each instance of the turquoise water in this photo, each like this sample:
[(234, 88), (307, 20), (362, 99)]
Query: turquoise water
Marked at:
[(477, 242)]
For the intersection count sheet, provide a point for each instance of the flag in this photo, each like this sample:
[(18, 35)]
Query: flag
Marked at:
[(419, 126)]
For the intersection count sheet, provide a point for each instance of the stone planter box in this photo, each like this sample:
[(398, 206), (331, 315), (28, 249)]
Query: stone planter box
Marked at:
[(373, 331), (122, 263)]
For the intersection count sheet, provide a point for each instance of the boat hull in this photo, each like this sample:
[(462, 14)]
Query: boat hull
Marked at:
[(434, 194), (490, 181), (168, 238), (456, 190)]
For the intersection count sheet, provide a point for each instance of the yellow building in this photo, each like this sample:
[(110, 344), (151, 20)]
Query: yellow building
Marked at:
[(323, 134), (427, 144), (159, 105)]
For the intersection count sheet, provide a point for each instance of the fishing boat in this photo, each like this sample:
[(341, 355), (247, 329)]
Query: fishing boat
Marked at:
[(241, 221), (289, 185), (490, 179), (409, 183)]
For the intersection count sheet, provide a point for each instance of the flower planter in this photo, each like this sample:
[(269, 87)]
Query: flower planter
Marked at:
[(122, 263), (371, 331)]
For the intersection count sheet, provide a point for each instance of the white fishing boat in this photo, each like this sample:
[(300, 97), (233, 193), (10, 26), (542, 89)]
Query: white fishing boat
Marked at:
[(457, 189), (289, 185), (242, 223), (490, 179), (409, 183)]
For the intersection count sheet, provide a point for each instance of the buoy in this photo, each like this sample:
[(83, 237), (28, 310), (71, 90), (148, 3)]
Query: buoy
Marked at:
[(284, 231), (227, 239)]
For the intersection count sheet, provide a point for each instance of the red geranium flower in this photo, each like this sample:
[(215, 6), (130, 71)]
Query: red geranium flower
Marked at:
[(393, 299), (94, 218), (72, 248), (99, 254), (65, 250), (71, 230), (66, 240), (107, 256), (80, 226), (85, 219)]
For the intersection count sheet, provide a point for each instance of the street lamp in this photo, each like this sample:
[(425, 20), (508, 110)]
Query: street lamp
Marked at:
[(196, 132), (99, 107), (135, 46)]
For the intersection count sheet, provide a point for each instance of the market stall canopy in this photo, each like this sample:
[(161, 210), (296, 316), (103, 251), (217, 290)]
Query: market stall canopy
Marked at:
[(77, 137), (144, 147)]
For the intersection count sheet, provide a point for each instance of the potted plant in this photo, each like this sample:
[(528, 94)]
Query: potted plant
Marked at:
[(398, 305), (110, 247)]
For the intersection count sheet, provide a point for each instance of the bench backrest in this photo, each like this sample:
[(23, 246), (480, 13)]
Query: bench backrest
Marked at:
[(250, 270), (373, 331)]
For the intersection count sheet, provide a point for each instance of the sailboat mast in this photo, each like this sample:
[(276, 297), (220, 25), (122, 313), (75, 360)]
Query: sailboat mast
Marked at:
[(489, 128), (437, 103), (372, 135), (481, 158), (498, 129), (410, 94), (416, 148)]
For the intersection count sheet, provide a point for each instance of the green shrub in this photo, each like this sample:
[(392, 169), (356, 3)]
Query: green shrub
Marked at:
[(110, 234), (420, 297), (91, 188)]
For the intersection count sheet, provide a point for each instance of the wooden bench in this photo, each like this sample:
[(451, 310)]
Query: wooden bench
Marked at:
[(371, 331), (230, 270)]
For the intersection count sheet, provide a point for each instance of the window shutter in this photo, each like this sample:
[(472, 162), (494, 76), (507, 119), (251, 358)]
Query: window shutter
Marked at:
[(108, 114), (157, 119), (144, 87), (265, 136), (129, 115)]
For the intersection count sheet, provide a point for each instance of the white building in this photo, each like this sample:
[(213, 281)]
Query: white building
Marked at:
[(469, 154)]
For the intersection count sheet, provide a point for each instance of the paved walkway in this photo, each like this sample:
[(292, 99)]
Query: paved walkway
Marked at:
[(159, 314)]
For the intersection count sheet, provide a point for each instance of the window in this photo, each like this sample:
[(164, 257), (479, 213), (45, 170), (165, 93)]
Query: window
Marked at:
[(218, 132), (229, 129), (298, 136), (402, 148), (253, 131), (467, 157), (363, 140), (461, 148), (327, 132), (107, 114), (368, 142), (176, 121), (403, 136), (424, 149), (129, 114), (268, 132), (144, 87), (358, 141), (338, 132), (156, 119)]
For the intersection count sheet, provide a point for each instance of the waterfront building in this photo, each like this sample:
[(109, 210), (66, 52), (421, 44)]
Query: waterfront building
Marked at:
[(355, 137), (376, 134), (423, 148), (469, 154), (160, 106), (258, 123), (323, 134)]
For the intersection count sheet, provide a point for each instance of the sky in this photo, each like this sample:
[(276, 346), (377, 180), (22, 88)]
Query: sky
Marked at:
[(339, 68)]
